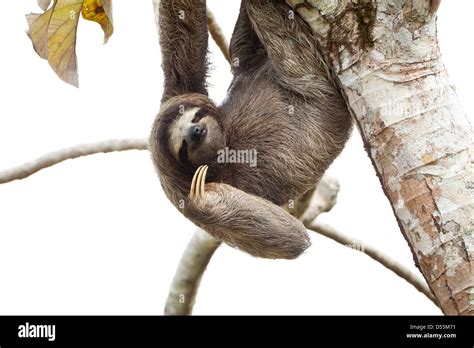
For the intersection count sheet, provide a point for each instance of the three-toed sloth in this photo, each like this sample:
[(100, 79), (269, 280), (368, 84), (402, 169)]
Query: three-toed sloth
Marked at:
[(281, 106)]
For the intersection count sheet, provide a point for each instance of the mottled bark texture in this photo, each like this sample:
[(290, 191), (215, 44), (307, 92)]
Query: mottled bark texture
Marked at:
[(385, 56)]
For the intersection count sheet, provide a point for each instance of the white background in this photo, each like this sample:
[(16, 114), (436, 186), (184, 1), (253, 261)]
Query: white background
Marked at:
[(96, 235)]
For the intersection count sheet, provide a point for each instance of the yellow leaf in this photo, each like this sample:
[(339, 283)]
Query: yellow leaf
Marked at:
[(62, 39), (99, 11), (53, 34)]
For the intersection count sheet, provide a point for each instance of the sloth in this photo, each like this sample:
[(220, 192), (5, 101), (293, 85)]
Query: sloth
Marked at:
[(282, 105)]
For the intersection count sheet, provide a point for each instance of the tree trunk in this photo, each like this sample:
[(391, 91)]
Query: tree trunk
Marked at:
[(384, 55)]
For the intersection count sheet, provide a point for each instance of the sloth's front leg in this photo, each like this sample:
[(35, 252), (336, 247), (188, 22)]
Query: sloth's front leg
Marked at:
[(247, 222)]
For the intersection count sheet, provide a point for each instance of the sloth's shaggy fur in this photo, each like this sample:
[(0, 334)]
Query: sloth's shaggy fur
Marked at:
[(281, 103)]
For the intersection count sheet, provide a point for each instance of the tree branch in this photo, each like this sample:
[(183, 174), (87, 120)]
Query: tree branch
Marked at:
[(323, 200), (217, 35), (376, 255), (188, 276), (50, 159)]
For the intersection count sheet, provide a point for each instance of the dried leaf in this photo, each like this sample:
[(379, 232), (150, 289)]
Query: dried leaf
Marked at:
[(38, 33), (53, 32), (99, 11), (44, 4)]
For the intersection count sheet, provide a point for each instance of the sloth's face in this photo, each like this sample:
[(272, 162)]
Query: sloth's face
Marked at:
[(196, 136)]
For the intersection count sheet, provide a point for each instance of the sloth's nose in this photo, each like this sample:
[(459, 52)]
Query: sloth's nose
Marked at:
[(196, 132)]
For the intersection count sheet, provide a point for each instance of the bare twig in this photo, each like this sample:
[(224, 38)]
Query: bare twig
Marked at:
[(217, 35), (186, 281), (376, 255), (50, 159)]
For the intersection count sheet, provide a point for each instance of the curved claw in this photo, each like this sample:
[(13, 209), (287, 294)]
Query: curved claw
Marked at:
[(198, 182)]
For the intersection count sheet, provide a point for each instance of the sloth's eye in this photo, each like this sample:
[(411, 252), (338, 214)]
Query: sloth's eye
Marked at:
[(183, 152), (198, 115)]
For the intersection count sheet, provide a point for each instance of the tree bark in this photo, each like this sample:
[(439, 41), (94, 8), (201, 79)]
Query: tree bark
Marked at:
[(384, 55)]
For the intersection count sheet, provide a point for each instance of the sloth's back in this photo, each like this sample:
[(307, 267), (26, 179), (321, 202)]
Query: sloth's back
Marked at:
[(294, 139)]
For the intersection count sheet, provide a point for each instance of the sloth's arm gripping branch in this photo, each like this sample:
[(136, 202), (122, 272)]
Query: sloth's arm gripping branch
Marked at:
[(183, 40)]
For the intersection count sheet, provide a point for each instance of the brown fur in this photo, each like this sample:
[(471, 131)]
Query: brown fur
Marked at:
[(278, 71)]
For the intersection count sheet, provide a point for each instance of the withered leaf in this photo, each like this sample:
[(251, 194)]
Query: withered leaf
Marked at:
[(53, 33)]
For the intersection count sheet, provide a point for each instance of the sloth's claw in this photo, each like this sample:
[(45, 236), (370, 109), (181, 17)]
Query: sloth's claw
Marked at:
[(198, 182), (203, 180), (193, 184)]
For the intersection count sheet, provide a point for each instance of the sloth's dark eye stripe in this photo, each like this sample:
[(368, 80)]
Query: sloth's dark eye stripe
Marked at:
[(183, 152), (199, 114)]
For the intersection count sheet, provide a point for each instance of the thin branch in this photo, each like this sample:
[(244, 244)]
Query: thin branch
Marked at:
[(376, 255), (217, 35), (188, 276), (50, 159)]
